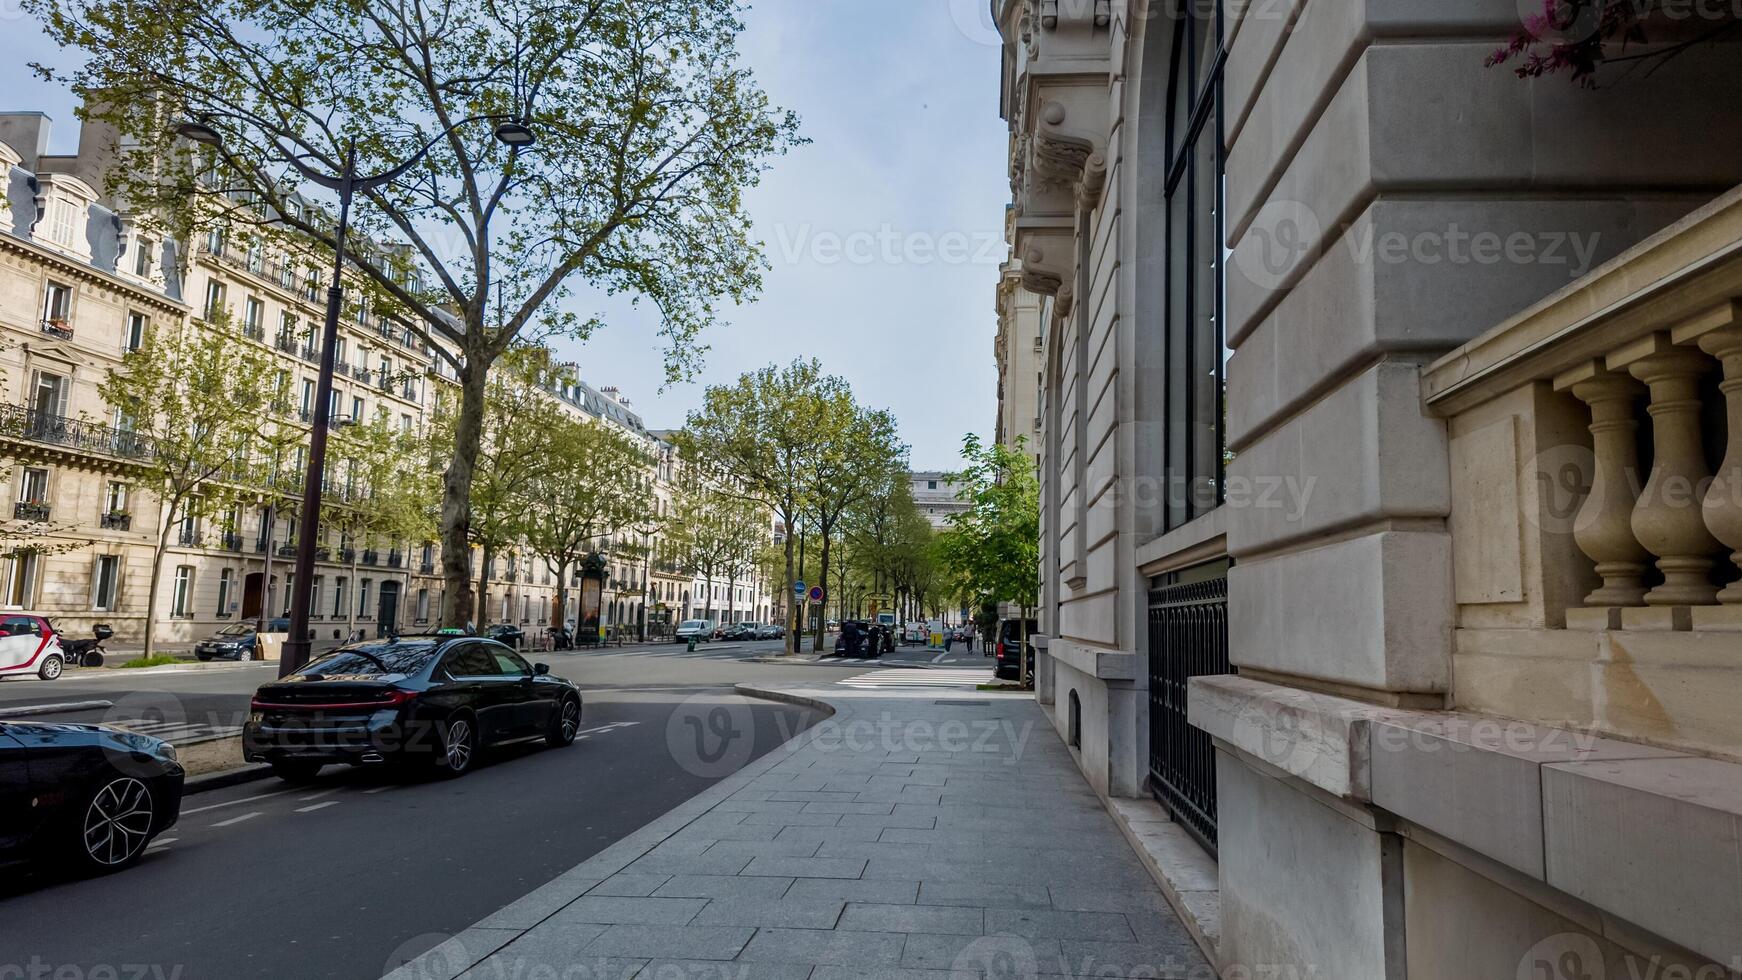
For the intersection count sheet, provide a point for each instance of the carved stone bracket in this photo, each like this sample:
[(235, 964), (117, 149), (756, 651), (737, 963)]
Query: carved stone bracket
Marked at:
[(1048, 256)]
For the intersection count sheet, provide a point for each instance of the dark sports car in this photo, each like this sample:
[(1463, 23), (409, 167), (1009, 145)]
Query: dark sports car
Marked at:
[(84, 794), (436, 700)]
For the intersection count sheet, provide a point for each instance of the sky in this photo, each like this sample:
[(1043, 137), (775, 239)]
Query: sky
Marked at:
[(883, 235)]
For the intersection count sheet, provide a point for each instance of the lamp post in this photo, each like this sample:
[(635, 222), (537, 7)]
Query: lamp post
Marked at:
[(510, 132)]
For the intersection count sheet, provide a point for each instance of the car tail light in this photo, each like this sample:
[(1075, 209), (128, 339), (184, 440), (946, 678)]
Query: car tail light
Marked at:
[(1000, 649), (386, 699)]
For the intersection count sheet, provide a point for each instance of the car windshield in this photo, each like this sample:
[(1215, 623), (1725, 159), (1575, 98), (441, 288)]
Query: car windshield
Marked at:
[(373, 659), (692, 624), (236, 629)]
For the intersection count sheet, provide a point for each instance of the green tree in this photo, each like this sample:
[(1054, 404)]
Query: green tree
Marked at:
[(203, 400), (993, 547), (597, 484), (714, 530), (762, 433), (648, 131), (859, 451), (379, 488)]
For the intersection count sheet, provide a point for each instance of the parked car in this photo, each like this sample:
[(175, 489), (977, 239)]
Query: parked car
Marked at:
[(437, 700), (236, 641), (507, 634), (701, 629), (739, 631), (86, 795), (770, 631), (1009, 636), (30, 645)]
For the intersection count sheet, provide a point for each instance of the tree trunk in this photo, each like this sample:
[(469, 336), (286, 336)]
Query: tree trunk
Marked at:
[(484, 560), (456, 516), (708, 612), (731, 596), (353, 599), (562, 596), (822, 615), (168, 521), (791, 644)]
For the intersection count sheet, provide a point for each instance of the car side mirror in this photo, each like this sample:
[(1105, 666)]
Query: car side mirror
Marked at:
[(539, 670)]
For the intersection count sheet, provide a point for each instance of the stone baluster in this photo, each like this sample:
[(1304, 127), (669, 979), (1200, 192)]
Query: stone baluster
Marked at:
[(1723, 504), (1603, 529), (1667, 520)]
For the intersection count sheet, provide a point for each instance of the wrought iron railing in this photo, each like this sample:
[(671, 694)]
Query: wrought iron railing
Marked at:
[(59, 329), (1188, 637), (57, 430), (29, 510), (232, 541), (116, 521), (371, 557), (254, 331), (395, 559)]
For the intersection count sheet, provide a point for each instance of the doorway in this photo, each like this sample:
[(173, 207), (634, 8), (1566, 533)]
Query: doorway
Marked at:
[(253, 595), (387, 613)]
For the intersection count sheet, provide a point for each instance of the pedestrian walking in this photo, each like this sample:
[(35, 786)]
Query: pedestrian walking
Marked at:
[(949, 637), (968, 638)]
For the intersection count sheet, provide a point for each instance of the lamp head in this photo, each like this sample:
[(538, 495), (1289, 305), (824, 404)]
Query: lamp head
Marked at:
[(198, 132), (514, 134)]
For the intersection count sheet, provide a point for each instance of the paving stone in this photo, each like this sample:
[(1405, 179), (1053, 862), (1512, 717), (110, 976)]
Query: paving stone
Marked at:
[(915, 918), (890, 973), (870, 849), (1143, 961), (809, 867), (883, 892), (735, 805), (693, 864), (771, 912), (825, 946), (832, 806), (1005, 957), (539, 904), (629, 885), (1094, 898), (792, 819), (506, 964), (613, 909), (721, 970), (825, 834), (538, 947), (734, 832), (757, 848), (677, 942), (812, 797), (1054, 924), (722, 886), (984, 894), (881, 820)]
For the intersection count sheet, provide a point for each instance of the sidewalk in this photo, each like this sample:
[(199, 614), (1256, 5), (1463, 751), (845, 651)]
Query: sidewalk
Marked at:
[(918, 835)]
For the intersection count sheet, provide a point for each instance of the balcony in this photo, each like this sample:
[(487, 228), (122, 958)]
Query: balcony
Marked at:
[(371, 557), (395, 559), (1595, 442), (116, 521), (287, 551), (347, 555), (342, 369), (261, 545), (188, 537), (29, 510), (363, 375), (231, 541), (427, 568), (58, 328), (310, 354), (35, 426), (254, 331)]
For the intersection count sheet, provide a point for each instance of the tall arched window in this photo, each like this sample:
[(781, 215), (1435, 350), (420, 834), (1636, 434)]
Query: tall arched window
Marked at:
[(1194, 335)]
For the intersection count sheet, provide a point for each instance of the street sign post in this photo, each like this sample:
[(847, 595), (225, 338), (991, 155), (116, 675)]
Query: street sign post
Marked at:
[(816, 593), (798, 588)]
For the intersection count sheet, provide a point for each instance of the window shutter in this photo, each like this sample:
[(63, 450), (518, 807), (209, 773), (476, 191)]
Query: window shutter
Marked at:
[(65, 388)]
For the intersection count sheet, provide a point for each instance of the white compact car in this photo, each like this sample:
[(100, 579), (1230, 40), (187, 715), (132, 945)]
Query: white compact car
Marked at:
[(30, 645)]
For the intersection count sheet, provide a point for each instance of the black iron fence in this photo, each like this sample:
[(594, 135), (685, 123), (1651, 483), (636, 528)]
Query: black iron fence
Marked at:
[(1188, 637), (58, 430)]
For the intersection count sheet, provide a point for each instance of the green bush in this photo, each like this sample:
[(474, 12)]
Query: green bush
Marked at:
[(157, 661)]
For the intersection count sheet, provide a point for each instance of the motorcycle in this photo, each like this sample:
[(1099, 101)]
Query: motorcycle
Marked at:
[(87, 653)]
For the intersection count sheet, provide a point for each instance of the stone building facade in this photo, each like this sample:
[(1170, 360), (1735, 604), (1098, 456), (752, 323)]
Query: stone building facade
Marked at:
[(80, 285), (1351, 556)]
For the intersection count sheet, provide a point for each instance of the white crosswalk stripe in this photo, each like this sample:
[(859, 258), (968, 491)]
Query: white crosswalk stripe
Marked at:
[(918, 678)]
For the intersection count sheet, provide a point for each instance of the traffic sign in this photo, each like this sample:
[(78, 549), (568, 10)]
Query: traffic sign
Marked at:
[(798, 588), (816, 593)]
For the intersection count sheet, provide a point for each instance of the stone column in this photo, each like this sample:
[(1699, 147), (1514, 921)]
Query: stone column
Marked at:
[(1603, 529), (1667, 519), (1723, 504)]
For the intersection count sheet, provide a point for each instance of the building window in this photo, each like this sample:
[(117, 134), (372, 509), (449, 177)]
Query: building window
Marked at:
[(340, 586), (115, 498), (181, 599), (356, 409), (105, 583), (253, 316), (142, 256), (63, 221), (226, 580), (20, 580), (363, 599), (314, 596), (286, 331), (214, 300), (137, 325), (48, 395), (931, 484), (33, 486), (289, 589), (1193, 338), (422, 605), (57, 307)]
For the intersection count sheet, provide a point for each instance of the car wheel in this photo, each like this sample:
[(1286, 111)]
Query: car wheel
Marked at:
[(565, 725), (459, 746), (202, 658), (114, 825), (296, 771), (51, 667)]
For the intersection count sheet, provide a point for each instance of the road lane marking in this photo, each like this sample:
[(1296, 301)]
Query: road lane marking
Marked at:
[(245, 799), (324, 792), (378, 789), (162, 842), (236, 820), (316, 806)]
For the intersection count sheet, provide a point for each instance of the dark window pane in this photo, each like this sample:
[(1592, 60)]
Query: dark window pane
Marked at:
[(373, 659), (1204, 368)]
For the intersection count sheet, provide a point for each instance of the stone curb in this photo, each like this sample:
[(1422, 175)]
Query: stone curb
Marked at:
[(28, 710), (479, 941)]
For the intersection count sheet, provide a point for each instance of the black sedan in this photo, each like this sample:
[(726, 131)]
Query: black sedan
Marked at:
[(84, 794), (435, 700), (235, 641), (506, 633)]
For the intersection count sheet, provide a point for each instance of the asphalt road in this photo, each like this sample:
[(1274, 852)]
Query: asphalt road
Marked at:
[(347, 877)]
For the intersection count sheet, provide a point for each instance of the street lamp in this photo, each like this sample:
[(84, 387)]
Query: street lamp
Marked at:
[(509, 131)]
